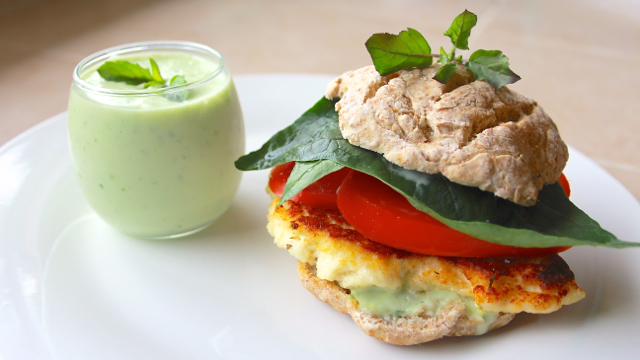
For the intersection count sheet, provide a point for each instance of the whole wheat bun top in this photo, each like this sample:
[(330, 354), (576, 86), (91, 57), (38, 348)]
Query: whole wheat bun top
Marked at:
[(471, 132)]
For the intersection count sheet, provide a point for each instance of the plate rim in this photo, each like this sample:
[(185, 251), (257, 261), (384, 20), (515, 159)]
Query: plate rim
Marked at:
[(61, 117)]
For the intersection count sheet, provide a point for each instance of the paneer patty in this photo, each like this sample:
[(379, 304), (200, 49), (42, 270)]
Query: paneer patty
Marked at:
[(407, 298)]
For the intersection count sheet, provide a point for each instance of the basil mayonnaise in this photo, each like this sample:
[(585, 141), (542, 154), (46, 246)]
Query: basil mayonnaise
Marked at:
[(386, 303)]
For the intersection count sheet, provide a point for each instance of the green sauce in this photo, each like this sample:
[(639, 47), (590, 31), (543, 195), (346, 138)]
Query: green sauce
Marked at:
[(153, 167), (404, 302)]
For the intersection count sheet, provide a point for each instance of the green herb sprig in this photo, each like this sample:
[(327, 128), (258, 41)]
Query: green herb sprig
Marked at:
[(408, 49), (134, 74)]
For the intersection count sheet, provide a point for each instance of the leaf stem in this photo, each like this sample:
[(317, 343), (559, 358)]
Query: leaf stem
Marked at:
[(462, 61)]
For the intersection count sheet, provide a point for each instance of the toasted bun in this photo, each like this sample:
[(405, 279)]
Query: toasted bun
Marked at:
[(406, 330), (472, 133)]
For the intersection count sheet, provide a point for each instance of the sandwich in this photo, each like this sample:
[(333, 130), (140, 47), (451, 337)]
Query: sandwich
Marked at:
[(426, 200)]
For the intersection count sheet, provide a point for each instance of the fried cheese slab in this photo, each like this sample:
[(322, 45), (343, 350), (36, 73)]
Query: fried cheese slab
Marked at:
[(449, 296)]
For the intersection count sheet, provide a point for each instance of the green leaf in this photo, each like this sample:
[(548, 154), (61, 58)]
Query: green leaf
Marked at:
[(177, 80), (124, 71), (155, 72), (134, 74), (492, 66), (553, 221), (391, 53), (444, 57), (297, 141), (445, 72), (181, 95), (460, 29), (153, 83), (305, 174)]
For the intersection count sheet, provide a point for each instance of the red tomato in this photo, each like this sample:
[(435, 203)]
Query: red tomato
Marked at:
[(565, 185), (278, 177), (321, 194), (383, 215)]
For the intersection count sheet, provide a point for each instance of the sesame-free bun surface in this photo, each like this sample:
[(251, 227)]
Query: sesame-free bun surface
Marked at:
[(471, 132)]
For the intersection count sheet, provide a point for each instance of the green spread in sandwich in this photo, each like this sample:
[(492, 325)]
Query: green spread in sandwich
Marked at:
[(385, 303)]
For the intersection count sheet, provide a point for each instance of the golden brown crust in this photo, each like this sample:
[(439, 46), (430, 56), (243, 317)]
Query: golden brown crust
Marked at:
[(406, 330), (471, 132), (333, 225), (493, 282), (324, 239)]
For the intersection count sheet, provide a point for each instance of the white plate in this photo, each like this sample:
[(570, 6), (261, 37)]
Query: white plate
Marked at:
[(73, 288)]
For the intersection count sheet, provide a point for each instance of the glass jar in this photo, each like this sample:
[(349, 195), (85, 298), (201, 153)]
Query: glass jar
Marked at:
[(157, 162)]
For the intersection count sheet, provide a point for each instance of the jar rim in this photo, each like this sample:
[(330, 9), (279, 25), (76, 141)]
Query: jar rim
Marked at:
[(105, 54)]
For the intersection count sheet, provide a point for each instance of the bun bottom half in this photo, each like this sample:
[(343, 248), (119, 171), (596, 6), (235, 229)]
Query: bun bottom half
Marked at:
[(405, 330)]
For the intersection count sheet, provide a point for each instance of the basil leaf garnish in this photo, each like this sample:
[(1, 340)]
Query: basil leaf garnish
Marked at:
[(445, 72), (492, 66), (134, 74), (391, 53), (460, 29), (553, 221), (181, 95), (409, 49), (126, 72)]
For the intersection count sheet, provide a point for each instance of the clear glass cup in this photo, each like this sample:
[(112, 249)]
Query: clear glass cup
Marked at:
[(157, 162)]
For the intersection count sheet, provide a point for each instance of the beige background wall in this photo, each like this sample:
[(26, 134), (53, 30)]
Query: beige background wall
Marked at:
[(579, 59)]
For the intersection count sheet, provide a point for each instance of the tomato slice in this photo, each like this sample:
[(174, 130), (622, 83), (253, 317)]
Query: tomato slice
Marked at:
[(321, 194), (278, 177), (565, 185), (383, 215)]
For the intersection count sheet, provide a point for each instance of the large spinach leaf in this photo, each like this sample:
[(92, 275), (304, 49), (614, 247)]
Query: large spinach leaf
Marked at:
[(553, 221)]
